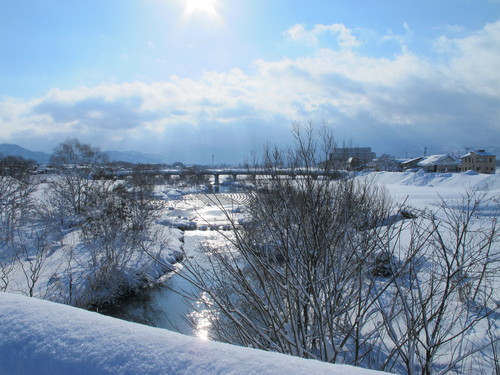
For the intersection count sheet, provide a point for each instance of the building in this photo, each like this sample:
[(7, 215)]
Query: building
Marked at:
[(351, 157), (386, 163), (411, 164), (479, 161), (440, 163)]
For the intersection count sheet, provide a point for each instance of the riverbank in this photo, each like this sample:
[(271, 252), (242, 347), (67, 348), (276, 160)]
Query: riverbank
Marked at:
[(419, 191), (163, 306)]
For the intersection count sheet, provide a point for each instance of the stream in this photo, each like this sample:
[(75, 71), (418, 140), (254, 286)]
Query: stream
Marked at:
[(164, 306)]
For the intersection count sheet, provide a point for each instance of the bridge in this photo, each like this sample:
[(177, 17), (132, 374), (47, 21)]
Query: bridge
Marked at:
[(254, 173)]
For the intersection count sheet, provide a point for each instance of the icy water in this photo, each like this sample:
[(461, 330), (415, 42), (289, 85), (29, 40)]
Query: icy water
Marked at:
[(166, 306)]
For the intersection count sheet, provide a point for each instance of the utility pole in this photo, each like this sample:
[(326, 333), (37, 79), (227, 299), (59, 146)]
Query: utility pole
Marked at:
[(213, 165)]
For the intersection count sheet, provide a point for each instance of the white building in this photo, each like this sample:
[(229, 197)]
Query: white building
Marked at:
[(440, 163)]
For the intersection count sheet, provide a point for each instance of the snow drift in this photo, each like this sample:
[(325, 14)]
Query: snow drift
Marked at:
[(41, 337)]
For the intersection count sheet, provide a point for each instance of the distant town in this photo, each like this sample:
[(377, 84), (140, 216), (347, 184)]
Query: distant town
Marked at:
[(359, 158), (342, 158)]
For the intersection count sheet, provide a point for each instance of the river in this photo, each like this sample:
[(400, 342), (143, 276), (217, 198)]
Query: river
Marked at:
[(165, 306)]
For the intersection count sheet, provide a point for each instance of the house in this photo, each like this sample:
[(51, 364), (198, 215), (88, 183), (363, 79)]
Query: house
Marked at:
[(351, 157), (479, 161), (411, 164), (440, 163)]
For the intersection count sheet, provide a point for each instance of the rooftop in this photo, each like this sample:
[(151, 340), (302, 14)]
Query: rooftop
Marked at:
[(445, 159), (478, 152)]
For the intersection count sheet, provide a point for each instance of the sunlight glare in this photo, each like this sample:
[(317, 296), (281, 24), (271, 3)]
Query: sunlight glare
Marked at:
[(208, 7), (203, 316)]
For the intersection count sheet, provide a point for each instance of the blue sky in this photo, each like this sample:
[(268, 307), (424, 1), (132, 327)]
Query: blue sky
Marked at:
[(192, 78)]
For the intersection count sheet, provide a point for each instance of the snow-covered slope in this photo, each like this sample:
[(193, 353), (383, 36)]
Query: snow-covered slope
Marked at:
[(41, 337), (466, 180), (422, 189)]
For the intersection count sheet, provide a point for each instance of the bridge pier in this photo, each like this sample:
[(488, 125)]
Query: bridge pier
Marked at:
[(216, 179)]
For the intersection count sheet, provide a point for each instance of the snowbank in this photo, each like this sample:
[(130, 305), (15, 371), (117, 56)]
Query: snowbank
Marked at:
[(41, 337), (422, 190), (67, 271), (466, 180)]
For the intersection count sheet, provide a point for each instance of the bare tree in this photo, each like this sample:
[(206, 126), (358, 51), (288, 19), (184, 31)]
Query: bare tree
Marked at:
[(16, 186), (326, 269), (77, 164), (494, 339), (15, 201), (446, 288), (6, 267), (296, 278), (31, 250), (17, 167), (117, 226)]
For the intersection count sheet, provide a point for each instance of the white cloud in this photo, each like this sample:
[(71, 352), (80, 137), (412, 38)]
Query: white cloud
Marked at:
[(345, 36), (298, 32), (391, 104), (476, 60), (402, 39)]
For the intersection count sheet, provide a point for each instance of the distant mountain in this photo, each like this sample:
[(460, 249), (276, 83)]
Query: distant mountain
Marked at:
[(135, 157), (7, 149)]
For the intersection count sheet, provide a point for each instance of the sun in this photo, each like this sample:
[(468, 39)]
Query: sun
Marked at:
[(207, 7)]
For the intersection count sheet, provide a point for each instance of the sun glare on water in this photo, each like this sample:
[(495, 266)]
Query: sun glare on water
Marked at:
[(202, 317)]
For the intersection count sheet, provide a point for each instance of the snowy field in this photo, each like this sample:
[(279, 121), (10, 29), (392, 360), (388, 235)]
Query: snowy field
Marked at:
[(39, 337), (422, 189), (190, 209)]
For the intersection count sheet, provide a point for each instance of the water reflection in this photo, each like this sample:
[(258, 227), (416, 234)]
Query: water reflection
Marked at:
[(176, 305), (169, 308), (202, 317)]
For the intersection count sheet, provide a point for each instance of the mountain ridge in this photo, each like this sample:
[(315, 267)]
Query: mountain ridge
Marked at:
[(136, 157)]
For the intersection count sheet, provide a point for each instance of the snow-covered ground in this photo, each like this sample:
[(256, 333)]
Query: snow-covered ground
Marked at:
[(421, 189), (69, 263), (187, 209), (40, 337)]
